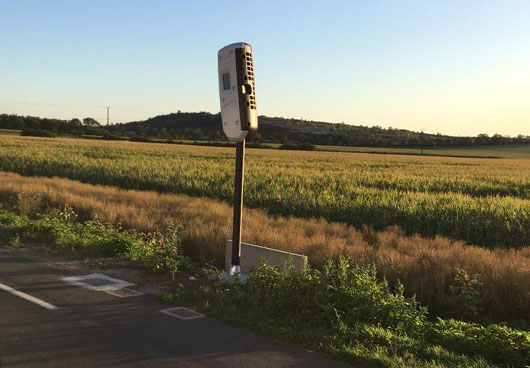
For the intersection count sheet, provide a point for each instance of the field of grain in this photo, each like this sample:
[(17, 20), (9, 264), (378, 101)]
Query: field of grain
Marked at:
[(483, 202), (453, 279)]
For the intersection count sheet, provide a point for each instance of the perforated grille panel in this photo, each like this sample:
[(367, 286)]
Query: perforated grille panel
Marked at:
[(98, 281), (125, 293)]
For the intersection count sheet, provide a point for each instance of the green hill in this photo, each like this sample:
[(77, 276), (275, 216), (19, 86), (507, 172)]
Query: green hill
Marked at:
[(206, 126), (203, 126)]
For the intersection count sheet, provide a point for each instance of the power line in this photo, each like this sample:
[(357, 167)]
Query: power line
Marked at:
[(49, 104), (72, 106)]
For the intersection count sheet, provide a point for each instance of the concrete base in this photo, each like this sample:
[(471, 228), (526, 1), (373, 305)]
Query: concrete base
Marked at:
[(231, 278), (251, 255)]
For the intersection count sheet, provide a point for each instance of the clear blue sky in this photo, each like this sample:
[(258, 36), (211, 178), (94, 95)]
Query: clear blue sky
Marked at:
[(453, 66)]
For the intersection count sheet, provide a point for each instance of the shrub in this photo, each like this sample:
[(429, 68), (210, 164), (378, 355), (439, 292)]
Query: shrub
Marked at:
[(138, 138), (342, 291), (159, 251), (498, 343), (113, 137), (38, 133), (298, 146), (465, 296)]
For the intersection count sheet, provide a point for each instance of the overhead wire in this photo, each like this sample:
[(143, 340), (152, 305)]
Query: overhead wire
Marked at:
[(72, 106), (103, 119)]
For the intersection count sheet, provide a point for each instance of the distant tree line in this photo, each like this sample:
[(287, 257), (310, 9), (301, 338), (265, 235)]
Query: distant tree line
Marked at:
[(32, 125), (203, 126), (321, 133)]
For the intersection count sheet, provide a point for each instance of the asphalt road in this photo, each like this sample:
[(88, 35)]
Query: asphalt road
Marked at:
[(94, 329)]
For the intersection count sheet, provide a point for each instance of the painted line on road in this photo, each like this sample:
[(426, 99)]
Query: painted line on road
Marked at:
[(182, 313), (28, 297)]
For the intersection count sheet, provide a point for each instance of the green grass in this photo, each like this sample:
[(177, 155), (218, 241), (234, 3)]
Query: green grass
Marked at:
[(512, 151), (63, 233), (346, 312), (515, 151), (10, 131), (481, 201)]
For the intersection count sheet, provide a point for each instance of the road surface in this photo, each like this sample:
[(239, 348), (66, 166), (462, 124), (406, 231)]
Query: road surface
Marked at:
[(46, 322)]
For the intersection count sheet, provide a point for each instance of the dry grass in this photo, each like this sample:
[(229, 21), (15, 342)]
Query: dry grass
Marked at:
[(497, 282)]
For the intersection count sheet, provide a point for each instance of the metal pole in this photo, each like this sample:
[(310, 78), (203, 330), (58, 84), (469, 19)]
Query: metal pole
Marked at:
[(108, 108), (238, 206)]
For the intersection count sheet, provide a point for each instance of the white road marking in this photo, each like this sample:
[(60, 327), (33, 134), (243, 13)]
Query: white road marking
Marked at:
[(182, 313), (28, 297), (84, 282)]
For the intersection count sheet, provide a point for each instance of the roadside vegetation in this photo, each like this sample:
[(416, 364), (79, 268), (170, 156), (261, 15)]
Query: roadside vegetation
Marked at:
[(60, 231), (450, 277), (480, 201), (347, 312), (344, 310)]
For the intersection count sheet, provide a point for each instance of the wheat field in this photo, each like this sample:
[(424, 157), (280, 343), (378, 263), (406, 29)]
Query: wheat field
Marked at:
[(483, 202)]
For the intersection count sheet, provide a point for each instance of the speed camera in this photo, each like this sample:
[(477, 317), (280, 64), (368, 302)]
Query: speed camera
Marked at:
[(237, 91)]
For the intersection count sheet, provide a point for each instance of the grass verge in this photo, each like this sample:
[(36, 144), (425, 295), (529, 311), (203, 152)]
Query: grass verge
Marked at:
[(92, 239), (347, 312)]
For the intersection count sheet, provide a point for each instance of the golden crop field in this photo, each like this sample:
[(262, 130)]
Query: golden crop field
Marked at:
[(481, 201)]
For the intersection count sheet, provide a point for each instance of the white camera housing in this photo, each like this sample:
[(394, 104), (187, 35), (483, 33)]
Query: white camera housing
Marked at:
[(237, 92)]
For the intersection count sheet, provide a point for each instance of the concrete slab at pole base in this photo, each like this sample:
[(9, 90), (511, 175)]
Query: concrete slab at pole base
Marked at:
[(240, 278), (251, 255)]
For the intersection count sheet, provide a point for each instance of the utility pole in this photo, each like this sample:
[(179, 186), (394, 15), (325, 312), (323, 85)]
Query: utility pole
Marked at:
[(108, 112), (422, 140)]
